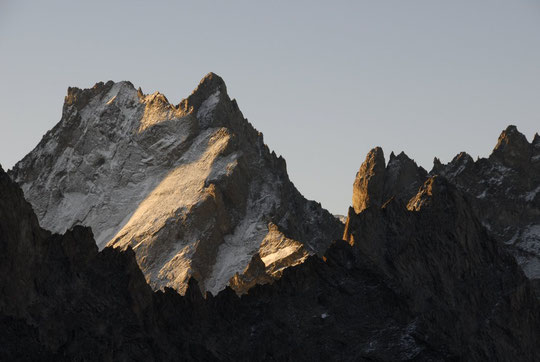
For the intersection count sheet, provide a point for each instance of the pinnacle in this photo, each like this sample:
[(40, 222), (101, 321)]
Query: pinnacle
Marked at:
[(402, 156), (209, 85), (462, 157), (536, 139), (212, 79), (510, 135), (512, 148), (368, 185)]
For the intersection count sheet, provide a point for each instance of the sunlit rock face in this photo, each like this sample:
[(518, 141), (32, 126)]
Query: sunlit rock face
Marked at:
[(276, 253), (505, 189), (369, 182), (192, 188), (376, 182)]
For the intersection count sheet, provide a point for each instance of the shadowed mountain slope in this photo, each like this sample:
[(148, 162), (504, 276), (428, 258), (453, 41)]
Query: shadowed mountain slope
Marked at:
[(505, 193), (421, 281)]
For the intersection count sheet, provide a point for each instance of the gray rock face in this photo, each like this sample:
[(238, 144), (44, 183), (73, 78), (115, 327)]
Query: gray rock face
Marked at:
[(192, 188)]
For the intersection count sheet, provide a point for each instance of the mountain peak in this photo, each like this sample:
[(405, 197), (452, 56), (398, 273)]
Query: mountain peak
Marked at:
[(369, 182), (536, 139), (212, 85), (462, 158), (402, 156), (512, 149), (437, 166), (80, 98), (212, 81), (403, 177), (192, 189)]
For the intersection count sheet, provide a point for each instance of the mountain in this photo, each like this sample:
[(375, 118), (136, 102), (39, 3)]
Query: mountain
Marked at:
[(456, 280), (205, 250), (192, 188), (419, 280), (505, 189)]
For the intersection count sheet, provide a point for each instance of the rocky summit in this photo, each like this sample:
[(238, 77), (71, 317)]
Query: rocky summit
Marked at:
[(504, 190), (191, 188), (505, 193), (160, 232)]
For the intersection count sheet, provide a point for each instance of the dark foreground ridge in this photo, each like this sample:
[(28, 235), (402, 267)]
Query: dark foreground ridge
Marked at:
[(419, 280)]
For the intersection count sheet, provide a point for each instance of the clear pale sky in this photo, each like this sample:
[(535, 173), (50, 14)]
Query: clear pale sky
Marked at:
[(324, 81)]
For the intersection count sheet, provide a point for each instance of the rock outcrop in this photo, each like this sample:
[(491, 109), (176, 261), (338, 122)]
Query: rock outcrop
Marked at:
[(192, 188), (369, 183), (376, 182)]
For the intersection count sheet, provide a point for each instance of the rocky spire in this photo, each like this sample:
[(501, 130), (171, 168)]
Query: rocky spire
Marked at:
[(461, 164), (429, 193), (369, 182), (211, 84), (376, 183), (437, 166), (254, 273), (535, 157), (512, 148), (403, 177)]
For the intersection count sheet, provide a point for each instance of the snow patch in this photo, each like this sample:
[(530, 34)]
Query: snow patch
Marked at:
[(235, 253), (207, 107), (531, 195), (482, 195)]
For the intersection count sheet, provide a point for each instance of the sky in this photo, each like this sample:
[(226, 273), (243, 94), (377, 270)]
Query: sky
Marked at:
[(324, 81)]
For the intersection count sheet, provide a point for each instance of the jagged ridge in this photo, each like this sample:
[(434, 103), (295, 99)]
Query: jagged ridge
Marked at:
[(505, 189)]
